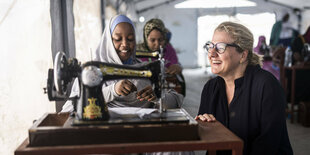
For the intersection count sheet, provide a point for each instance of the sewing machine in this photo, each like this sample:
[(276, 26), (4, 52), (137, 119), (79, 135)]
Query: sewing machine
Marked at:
[(90, 107), (170, 81)]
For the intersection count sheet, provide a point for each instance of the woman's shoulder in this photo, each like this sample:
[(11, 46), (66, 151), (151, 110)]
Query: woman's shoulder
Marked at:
[(262, 76), (212, 83)]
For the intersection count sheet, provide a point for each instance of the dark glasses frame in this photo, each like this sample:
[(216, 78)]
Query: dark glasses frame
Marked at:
[(216, 46)]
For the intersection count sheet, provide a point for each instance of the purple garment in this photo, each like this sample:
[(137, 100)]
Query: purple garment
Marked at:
[(269, 66), (169, 55), (261, 39)]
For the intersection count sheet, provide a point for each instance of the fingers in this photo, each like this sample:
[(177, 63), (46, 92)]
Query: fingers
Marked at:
[(129, 86), (124, 87), (174, 69), (206, 118), (146, 94)]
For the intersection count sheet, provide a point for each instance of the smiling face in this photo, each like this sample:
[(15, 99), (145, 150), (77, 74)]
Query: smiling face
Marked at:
[(124, 41), (155, 39), (228, 63)]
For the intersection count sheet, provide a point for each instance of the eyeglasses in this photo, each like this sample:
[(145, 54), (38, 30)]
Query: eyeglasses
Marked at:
[(219, 47)]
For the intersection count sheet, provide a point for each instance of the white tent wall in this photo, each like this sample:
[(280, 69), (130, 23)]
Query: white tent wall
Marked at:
[(305, 21), (87, 28), (25, 56)]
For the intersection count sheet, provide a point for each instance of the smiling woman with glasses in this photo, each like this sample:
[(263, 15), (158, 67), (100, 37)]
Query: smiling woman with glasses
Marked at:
[(245, 98)]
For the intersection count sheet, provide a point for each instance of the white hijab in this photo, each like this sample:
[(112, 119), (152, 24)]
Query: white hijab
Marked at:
[(106, 51)]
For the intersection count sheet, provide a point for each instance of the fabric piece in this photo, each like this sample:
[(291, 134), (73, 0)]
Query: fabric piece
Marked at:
[(127, 112)]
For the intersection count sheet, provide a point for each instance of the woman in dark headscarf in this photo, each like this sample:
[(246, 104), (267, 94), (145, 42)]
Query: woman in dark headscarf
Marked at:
[(155, 35), (298, 45), (261, 42)]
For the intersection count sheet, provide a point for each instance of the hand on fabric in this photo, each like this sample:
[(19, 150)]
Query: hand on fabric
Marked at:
[(124, 87), (206, 118), (174, 69), (146, 94)]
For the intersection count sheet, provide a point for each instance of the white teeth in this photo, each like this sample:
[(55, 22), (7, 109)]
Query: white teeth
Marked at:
[(124, 51), (216, 61)]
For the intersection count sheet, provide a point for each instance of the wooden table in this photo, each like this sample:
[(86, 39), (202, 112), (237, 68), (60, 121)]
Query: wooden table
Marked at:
[(213, 136)]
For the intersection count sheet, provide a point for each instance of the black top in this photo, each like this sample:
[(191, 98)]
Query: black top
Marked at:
[(297, 46), (256, 113)]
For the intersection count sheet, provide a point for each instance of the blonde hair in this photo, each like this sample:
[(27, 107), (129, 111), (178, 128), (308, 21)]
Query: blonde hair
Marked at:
[(243, 37)]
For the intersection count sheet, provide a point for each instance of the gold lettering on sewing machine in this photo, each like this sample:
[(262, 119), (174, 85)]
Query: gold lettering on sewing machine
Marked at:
[(92, 111), (125, 72), (150, 54)]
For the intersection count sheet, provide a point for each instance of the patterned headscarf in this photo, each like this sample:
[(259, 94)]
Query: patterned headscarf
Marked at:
[(152, 24)]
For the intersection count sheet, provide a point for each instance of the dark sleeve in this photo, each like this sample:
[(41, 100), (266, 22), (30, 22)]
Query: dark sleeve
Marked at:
[(205, 100), (272, 118), (297, 45)]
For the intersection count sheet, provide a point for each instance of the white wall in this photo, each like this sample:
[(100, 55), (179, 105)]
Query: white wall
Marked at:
[(25, 56), (305, 21), (87, 28)]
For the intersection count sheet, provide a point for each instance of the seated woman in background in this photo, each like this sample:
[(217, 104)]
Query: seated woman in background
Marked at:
[(297, 47), (155, 35), (118, 46), (245, 98), (268, 64)]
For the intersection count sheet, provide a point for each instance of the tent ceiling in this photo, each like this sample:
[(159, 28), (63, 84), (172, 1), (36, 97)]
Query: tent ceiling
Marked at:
[(144, 5), (301, 4)]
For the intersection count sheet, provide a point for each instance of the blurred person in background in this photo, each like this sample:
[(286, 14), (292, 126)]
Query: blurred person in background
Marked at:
[(282, 32), (263, 49)]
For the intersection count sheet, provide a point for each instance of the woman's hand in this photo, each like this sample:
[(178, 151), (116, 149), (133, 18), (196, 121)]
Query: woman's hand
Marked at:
[(124, 87), (146, 94), (174, 69), (206, 118)]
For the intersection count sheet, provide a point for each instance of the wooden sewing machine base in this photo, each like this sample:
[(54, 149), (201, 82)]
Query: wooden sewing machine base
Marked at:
[(56, 129)]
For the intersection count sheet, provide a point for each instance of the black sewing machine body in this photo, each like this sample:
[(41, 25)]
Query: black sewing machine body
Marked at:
[(91, 75)]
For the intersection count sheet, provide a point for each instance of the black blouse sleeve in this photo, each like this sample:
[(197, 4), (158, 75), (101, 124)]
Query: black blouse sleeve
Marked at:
[(272, 119), (203, 108)]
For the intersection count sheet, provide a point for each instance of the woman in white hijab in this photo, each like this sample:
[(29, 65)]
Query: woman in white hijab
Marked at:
[(118, 46)]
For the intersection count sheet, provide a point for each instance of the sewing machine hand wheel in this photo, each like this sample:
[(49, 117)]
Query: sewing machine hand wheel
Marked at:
[(60, 67)]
